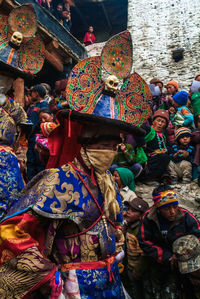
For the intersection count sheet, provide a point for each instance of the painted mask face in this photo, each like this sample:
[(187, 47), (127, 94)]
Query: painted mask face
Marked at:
[(17, 38)]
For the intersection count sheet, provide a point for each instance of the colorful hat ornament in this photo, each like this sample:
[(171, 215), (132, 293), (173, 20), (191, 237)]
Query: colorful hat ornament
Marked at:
[(21, 49), (165, 198), (93, 89)]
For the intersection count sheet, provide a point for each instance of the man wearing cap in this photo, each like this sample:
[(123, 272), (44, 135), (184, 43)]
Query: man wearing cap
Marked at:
[(160, 227), (187, 251), (136, 261), (34, 164), (156, 148)]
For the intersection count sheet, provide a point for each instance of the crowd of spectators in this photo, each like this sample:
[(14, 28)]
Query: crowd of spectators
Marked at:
[(61, 11), (167, 155)]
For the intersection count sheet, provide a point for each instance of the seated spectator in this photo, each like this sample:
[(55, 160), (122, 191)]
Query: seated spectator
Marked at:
[(89, 37), (125, 181), (183, 117), (59, 100), (172, 88), (137, 263), (160, 227), (156, 149), (66, 5), (160, 101), (47, 4), (187, 251), (66, 19), (58, 12), (182, 155), (126, 157), (47, 87)]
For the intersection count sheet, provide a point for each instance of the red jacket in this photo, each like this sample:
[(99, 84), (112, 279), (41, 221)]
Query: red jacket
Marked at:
[(89, 38)]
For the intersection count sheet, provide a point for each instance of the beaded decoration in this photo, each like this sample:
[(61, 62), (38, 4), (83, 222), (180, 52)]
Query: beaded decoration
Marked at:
[(161, 143)]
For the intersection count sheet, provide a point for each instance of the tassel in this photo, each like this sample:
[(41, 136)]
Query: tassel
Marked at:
[(56, 286), (69, 124)]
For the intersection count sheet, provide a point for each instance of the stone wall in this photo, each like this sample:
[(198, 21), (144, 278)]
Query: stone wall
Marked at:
[(94, 49), (159, 27), (188, 196)]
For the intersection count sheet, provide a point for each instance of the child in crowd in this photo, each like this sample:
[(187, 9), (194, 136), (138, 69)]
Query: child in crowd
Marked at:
[(47, 125), (136, 261), (183, 117), (182, 154), (126, 157), (125, 182)]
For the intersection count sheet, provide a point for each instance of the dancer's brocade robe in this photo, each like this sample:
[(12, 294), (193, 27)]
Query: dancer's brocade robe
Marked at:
[(56, 225)]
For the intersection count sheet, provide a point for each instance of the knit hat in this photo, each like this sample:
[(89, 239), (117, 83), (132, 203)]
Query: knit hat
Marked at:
[(48, 127), (138, 204), (181, 98), (161, 113), (187, 250), (126, 177), (155, 81), (174, 83), (182, 132), (165, 198), (40, 89)]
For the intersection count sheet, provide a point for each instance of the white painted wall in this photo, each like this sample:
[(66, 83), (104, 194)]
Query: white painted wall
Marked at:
[(158, 27)]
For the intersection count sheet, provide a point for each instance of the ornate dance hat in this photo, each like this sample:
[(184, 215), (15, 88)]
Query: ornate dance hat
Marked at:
[(21, 49), (102, 90)]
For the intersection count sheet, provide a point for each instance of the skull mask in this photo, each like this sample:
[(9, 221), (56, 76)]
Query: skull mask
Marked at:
[(17, 38), (111, 83)]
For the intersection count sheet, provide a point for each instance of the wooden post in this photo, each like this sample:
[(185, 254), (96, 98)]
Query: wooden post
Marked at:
[(52, 56), (18, 86)]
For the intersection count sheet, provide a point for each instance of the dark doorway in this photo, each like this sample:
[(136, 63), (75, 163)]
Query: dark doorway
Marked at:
[(108, 17)]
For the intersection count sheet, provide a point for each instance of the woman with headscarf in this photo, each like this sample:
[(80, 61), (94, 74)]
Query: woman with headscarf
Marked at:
[(126, 184)]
